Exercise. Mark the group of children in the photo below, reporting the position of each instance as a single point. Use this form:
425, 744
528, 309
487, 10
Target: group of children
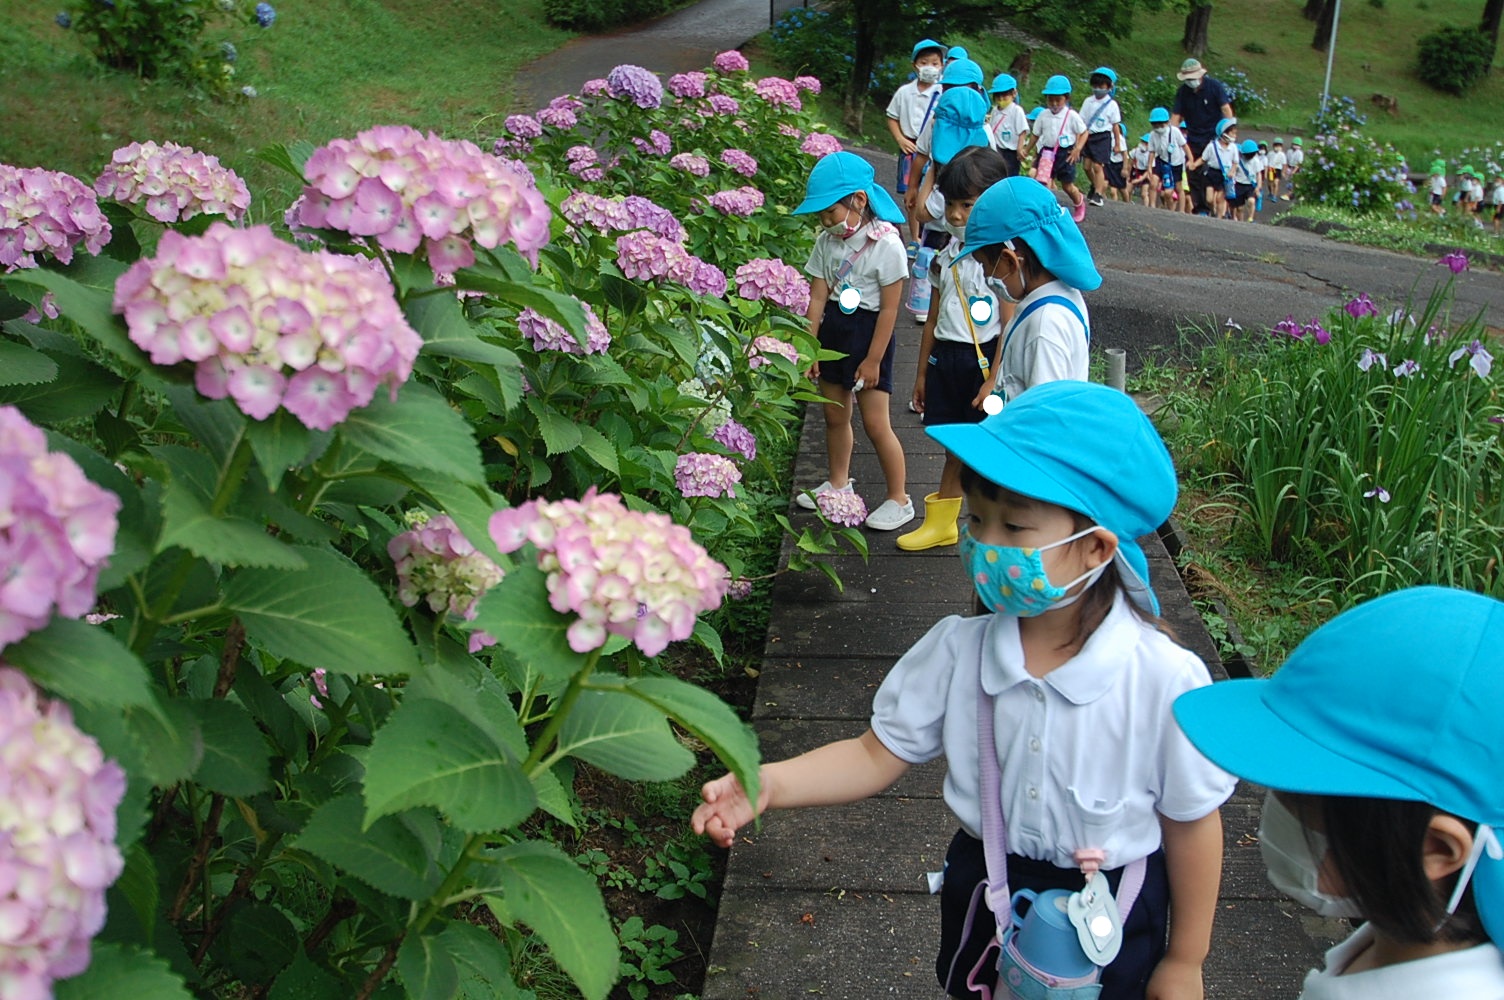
1086, 749
1237, 175
1471, 199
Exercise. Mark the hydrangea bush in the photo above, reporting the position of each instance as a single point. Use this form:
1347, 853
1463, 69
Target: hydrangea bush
173, 183
347, 543
1346, 169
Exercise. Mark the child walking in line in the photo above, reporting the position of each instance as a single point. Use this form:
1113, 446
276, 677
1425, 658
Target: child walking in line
908, 111
1378, 740
1437, 184
856, 269
1221, 160
1059, 136
1075, 683
1032, 253
1140, 176
1007, 122
1496, 200
1293, 162
1104, 130
1168, 145
1276, 179
960, 348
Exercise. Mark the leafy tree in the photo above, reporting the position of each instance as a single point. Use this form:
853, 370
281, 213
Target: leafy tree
1493, 13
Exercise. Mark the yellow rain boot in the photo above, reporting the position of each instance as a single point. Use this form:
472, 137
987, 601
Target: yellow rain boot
939, 527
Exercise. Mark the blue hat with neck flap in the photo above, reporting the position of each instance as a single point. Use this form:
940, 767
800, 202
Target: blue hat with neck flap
1023, 208
837, 175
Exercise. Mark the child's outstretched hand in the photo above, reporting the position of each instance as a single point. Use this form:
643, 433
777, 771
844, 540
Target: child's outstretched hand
725, 809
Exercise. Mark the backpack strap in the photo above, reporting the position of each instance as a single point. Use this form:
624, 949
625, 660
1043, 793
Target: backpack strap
1059, 300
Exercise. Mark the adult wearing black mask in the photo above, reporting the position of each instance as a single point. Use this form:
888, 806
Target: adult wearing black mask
1201, 102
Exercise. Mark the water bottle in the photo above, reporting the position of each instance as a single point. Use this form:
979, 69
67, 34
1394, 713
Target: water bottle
919, 282
1044, 167
1043, 953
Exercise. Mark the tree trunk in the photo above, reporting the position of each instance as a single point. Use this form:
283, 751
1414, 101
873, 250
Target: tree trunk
1197, 22
862, 58
1493, 13
1323, 35
1312, 9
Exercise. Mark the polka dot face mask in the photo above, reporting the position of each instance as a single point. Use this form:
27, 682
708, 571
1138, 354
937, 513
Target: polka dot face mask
1013, 581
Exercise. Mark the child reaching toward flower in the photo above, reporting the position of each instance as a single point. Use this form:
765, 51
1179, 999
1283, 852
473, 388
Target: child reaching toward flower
856, 269
1378, 740
1079, 682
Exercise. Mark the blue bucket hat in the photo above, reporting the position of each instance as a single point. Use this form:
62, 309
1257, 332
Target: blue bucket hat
1002, 83
961, 72
959, 115
1248, 146
956, 52
1225, 124
1158, 115
1082, 446
1108, 72
1144, 137
1023, 207
927, 45
1034, 113
838, 174
1397, 698
1057, 84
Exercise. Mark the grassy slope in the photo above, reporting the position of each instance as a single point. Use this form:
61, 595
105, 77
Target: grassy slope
326, 68
1379, 38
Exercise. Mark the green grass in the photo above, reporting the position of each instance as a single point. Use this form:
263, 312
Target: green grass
327, 68
1419, 237
1382, 39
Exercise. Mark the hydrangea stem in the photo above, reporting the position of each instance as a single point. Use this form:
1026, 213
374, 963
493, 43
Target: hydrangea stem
550, 733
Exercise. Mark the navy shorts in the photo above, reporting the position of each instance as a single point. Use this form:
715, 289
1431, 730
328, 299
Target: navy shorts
1436, 199
952, 380
852, 336
1010, 158
1245, 191
1065, 170
1145, 935
1099, 147
1113, 172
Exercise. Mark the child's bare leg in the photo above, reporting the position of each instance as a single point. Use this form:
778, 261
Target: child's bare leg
838, 433
950, 478
874, 404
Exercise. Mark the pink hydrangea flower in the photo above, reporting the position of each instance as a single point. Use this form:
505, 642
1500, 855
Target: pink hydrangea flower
687, 84
699, 166
720, 104
620, 572
523, 126
47, 213
784, 128
58, 832
566, 102
644, 255
406, 190
594, 88
657, 143
560, 118
818, 144
546, 335
847, 509
437, 565
56, 531
731, 61
593, 175
621, 214
742, 201
779, 92
268, 324
701, 474
739, 589
640, 85
705, 279
175, 182
740, 161
772, 279
809, 83
736, 437
760, 351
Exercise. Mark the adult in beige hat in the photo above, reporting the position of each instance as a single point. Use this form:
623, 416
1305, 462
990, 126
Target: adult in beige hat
1201, 102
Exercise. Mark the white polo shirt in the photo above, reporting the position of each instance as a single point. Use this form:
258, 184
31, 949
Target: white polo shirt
1049, 344
1090, 754
908, 106
882, 263
1100, 115
1007, 126
1475, 973
1059, 130
1169, 147
951, 323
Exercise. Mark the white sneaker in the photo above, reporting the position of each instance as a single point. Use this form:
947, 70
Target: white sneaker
807, 501
891, 515
921, 318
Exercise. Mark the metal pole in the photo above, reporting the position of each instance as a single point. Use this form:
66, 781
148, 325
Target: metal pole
770, 16
1331, 50
1117, 368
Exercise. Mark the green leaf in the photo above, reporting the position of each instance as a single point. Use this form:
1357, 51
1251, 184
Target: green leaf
706, 635
188, 520
120, 971
289, 157
85, 295
170, 740
429, 754
137, 885
625, 296
328, 614
562, 309
426, 967
83, 663
235, 753
446, 331
474, 692
469, 506
215, 423
79, 389
483, 962
279, 443
420, 429
624, 736
21, 365
560, 433
389, 855
707, 717
303, 980
562, 904
258, 942
602, 451
517, 612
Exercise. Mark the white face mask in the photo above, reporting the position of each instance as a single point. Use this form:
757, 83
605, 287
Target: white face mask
844, 230
1293, 854
996, 283
929, 74
1161, 129
1194, 84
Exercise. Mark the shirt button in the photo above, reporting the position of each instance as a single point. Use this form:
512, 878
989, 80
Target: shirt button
1034, 744
1038, 694
1033, 793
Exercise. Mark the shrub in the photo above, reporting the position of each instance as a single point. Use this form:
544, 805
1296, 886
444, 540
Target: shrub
1452, 59
818, 42
154, 38
1346, 169
1246, 98
1341, 112
600, 15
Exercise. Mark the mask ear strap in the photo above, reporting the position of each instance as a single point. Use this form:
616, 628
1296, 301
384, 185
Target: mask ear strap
1485, 839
